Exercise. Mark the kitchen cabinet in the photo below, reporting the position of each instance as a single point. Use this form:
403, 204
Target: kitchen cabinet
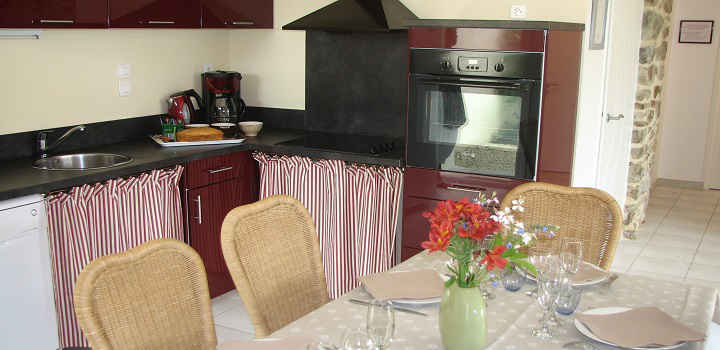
53, 14
237, 14
213, 187
424, 188
155, 14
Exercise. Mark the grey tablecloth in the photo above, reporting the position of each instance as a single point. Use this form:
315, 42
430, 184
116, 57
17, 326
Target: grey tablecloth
512, 315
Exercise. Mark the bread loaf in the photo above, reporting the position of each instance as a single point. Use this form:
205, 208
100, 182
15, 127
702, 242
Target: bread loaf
199, 134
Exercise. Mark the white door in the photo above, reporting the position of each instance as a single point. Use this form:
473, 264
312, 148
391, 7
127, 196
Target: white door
623, 43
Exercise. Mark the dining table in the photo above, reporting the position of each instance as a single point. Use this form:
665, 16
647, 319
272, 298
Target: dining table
511, 315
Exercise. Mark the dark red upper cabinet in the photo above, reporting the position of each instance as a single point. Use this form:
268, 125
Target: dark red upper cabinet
53, 14
237, 14
155, 13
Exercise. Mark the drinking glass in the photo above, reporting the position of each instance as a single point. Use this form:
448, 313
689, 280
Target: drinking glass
568, 299
571, 255
380, 323
355, 339
512, 280
548, 282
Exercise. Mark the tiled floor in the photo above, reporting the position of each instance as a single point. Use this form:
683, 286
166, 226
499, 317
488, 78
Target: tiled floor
679, 241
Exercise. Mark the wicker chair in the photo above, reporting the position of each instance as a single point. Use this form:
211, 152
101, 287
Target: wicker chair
586, 213
272, 252
154, 296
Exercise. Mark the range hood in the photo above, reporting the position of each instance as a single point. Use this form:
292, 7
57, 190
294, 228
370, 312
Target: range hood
356, 15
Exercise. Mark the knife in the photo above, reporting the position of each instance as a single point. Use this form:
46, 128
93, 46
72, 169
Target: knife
397, 308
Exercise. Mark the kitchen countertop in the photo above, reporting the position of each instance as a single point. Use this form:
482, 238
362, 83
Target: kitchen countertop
19, 178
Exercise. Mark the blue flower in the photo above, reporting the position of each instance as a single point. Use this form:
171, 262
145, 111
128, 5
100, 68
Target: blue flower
495, 284
544, 229
520, 230
509, 245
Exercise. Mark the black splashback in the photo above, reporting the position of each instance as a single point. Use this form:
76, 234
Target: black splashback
356, 83
24, 144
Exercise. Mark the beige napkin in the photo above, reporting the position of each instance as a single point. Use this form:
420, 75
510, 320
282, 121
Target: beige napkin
290, 343
588, 272
421, 284
639, 327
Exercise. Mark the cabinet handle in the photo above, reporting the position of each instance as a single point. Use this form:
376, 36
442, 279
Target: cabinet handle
160, 22
199, 206
215, 171
241, 23
466, 189
57, 21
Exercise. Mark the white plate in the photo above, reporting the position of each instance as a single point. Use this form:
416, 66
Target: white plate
613, 310
197, 125
575, 284
417, 301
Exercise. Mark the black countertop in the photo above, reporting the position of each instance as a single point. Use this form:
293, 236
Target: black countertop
19, 178
467, 23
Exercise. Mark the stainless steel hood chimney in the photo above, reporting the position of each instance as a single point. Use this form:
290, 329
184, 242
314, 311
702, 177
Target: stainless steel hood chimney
356, 15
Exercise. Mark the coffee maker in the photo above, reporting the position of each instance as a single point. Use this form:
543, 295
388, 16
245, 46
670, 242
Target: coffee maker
221, 96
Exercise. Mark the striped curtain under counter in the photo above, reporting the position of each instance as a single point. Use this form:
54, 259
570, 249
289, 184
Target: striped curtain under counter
91, 221
355, 209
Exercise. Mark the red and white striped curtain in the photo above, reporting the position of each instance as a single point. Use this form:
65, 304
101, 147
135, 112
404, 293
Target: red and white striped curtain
355, 209
91, 221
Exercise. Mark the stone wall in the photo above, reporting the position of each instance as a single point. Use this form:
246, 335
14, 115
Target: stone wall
653, 52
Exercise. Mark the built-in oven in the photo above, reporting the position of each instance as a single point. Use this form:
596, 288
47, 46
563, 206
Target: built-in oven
475, 111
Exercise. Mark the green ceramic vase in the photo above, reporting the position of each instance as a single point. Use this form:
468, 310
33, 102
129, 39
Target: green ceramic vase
463, 320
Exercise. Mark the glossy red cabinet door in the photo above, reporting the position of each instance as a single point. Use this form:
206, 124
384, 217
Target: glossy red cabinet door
17, 13
71, 14
53, 14
237, 14
155, 13
415, 226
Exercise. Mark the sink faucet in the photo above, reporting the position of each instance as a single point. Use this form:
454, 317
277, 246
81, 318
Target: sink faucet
42, 139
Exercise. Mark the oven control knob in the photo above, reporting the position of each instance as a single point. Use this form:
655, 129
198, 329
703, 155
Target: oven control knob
499, 67
446, 65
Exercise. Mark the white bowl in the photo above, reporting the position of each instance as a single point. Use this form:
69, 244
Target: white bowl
251, 128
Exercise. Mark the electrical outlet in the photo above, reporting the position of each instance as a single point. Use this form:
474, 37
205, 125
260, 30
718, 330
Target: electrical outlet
518, 11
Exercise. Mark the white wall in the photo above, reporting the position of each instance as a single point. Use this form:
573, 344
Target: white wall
69, 76
273, 61
687, 96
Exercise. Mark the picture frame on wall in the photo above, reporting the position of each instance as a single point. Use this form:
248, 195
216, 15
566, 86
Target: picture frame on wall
696, 32
598, 24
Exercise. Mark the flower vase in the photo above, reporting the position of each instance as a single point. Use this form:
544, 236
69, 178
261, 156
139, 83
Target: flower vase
463, 320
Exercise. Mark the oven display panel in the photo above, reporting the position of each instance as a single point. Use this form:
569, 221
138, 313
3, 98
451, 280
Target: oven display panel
473, 64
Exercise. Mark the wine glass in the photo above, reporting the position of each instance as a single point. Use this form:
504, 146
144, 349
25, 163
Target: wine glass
355, 339
571, 255
380, 323
548, 283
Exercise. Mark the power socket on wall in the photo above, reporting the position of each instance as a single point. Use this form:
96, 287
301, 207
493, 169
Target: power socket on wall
518, 11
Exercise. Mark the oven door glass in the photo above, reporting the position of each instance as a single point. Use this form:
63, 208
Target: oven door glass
481, 126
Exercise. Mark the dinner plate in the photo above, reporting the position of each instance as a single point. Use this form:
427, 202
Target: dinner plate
613, 310
593, 282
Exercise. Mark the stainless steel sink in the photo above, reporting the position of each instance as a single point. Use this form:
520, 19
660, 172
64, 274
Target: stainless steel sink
82, 161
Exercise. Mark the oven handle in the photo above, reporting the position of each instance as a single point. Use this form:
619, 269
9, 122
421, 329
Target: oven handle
477, 190
516, 84
507, 86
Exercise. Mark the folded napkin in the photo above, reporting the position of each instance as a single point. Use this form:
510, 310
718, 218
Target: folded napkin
421, 284
639, 327
588, 272
290, 343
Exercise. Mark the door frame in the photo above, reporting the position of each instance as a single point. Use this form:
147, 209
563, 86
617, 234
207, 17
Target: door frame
711, 162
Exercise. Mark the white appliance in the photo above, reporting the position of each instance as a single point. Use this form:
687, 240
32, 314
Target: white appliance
27, 307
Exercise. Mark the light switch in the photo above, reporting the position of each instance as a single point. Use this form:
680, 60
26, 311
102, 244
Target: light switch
123, 70
124, 87
518, 11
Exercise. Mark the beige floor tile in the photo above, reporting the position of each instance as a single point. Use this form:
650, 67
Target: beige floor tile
235, 318
681, 230
701, 282
630, 247
699, 199
694, 211
225, 302
657, 211
622, 262
705, 258
227, 334
675, 241
681, 255
709, 248
646, 264
655, 274
711, 238
704, 272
